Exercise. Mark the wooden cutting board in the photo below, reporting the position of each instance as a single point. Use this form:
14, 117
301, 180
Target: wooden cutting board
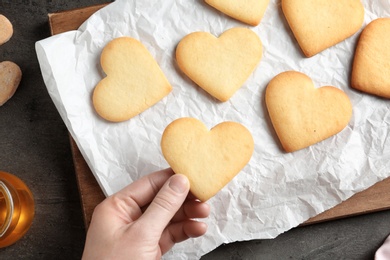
375, 198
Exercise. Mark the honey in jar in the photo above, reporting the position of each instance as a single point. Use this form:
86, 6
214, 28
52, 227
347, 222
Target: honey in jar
16, 209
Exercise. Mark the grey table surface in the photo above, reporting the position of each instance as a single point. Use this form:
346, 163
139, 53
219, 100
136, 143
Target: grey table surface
34, 145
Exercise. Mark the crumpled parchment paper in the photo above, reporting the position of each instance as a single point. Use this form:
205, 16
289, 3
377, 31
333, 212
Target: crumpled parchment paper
276, 191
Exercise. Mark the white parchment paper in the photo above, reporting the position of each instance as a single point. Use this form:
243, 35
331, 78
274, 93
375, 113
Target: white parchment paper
276, 191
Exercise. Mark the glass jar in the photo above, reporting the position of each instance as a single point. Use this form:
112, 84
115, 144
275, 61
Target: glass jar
16, 209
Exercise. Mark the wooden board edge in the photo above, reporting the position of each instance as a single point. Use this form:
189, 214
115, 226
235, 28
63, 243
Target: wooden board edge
90, 195
368, 198
61, 18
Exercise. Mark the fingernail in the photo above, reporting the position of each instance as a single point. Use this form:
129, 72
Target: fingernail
178, 183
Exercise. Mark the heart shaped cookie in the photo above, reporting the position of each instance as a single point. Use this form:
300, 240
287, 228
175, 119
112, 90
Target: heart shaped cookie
303, 115
134, 81
250, 11
10, 77
371, 66
209, 158
219, 65
318, 24
6, 29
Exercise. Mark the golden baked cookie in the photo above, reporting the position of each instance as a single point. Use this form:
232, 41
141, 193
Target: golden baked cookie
134, 81
10, 77
371, 65
303, 115
250, 11
6, 29
209, 158
320, 24
220, 65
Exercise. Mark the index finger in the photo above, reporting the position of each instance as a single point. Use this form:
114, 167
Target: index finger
143, 190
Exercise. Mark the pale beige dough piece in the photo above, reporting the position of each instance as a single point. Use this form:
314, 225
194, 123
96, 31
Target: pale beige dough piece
371, 66
209, 158
6, 29
134, 81
303, 115
10, 77
250, 11
220, 65
320, 24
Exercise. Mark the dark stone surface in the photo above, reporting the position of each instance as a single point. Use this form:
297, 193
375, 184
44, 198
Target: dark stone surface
34, 145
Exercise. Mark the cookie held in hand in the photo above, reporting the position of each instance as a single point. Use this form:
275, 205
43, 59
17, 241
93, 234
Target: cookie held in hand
10, 77
220, 65
319, 24
134, 81
6, 29
209, 158
303, 115
250, 11
371, 66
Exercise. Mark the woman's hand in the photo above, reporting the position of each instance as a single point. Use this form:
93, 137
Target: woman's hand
145, 219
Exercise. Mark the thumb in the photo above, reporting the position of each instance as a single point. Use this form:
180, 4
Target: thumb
166, 203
